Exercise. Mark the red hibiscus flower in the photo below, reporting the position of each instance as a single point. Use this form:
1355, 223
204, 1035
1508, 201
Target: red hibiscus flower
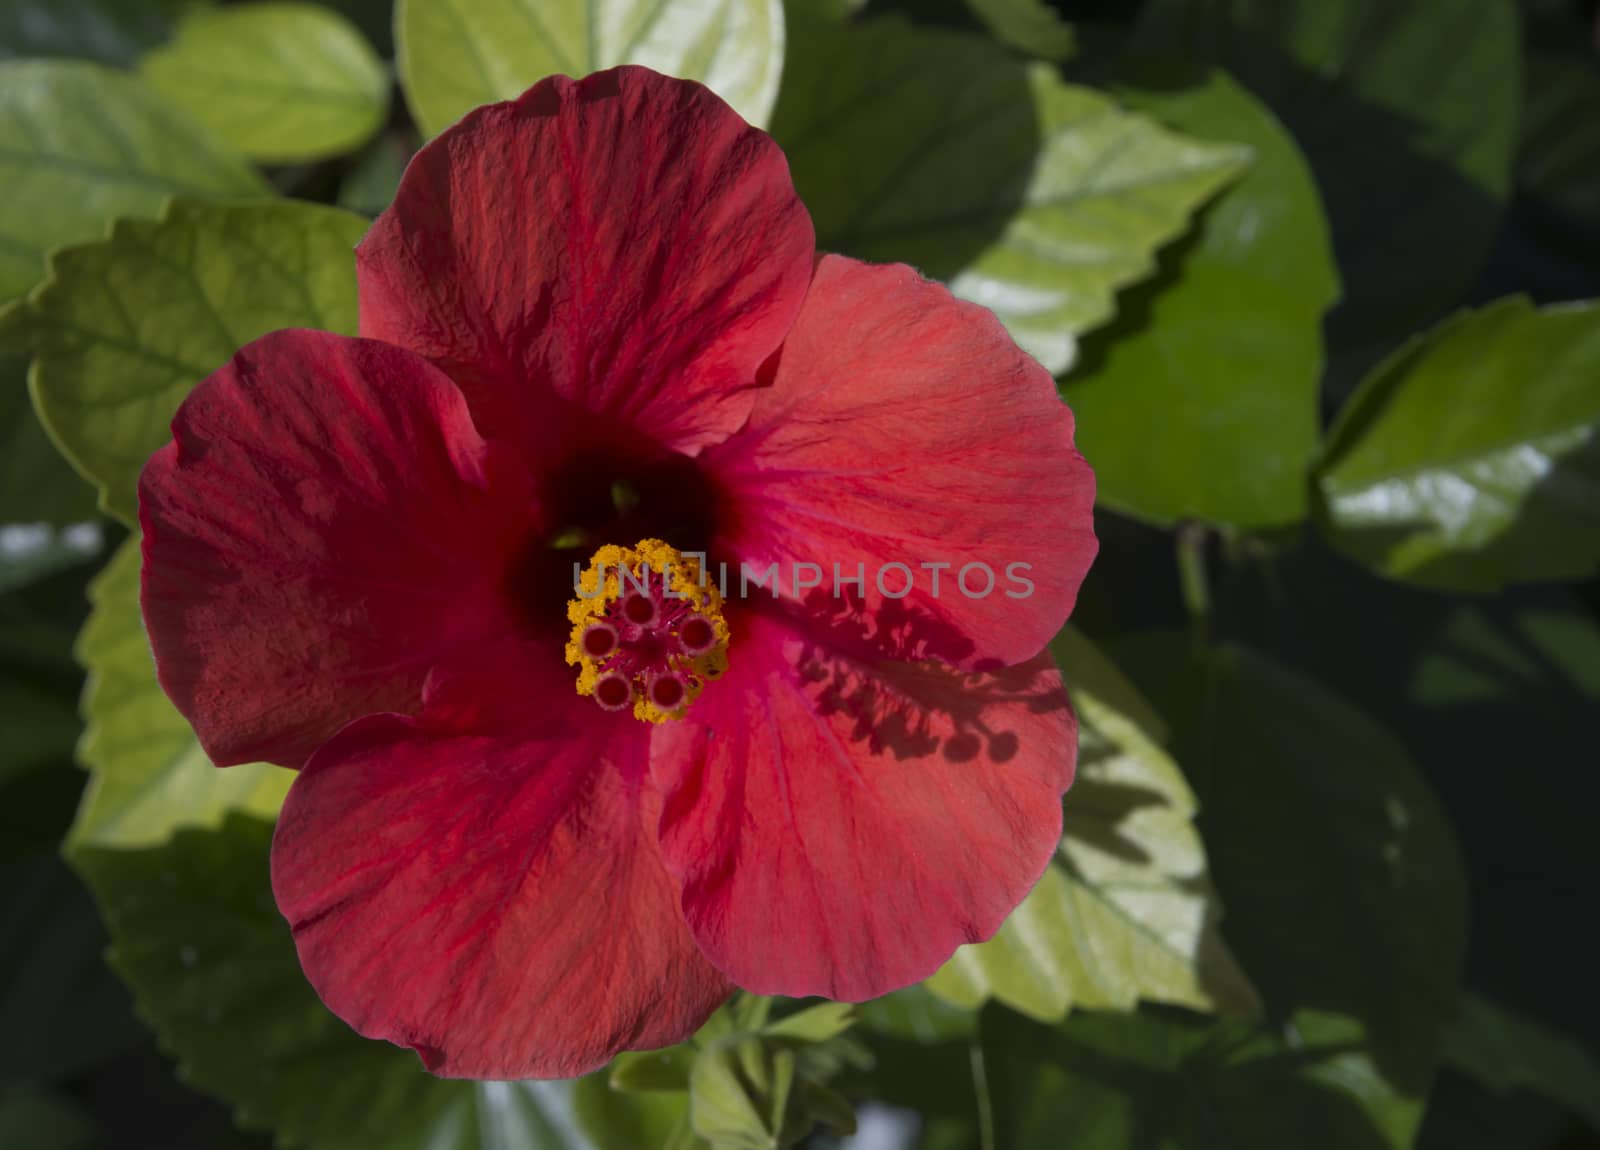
537, 822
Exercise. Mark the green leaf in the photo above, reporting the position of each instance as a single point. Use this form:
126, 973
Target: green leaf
279, 82
125, 327
1225, 346
110, 31
816, 1023
1507, 1052
213, 967
456, 56
1344, 886
1407, 111
80, 144
1471, 458
916, 1014
149, 775
653, 1121
1558, 161
1161, 1079
1034, 198
1030, 26
1127, 910
651, 1071
36, 484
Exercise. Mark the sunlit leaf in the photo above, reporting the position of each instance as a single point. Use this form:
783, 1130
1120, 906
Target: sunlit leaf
456, 56
1201, 400
279, 82
1471, 458
1032, 197
125, 327
79, 145
1127, 910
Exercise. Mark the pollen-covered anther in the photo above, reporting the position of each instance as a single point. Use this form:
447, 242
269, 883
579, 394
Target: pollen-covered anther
647, 630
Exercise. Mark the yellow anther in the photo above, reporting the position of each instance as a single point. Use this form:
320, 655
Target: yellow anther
648, 653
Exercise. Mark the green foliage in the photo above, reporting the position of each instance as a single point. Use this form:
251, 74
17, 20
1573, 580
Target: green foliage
1029, 26
110, 31
1127, 910
149, 775
1154, 209
1471, 458
1201, 400
1407, 110
125, 327
1558, 159
31, 1117
36, 484
456, 56
279, 82
1035, 198
1345, 890
211, 962
79, 145
1508, 1052
751, 1083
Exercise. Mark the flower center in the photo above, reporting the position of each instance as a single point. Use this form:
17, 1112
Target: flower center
647, 630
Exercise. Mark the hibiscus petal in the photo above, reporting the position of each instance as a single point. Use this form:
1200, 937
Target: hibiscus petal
626, 240
325, 526
497, 904
841, 823
904, 426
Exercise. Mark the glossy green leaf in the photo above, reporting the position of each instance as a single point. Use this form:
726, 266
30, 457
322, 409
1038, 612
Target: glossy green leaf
36, 484
1407, 111
1127, 910
79, 145
1035, 198
1471, 458
1345, 891
280, 82
1201, 401
1558, 159
456, 56
213, 967
1030, 26
149, 775
125, 327
110, 31
1507, 1052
